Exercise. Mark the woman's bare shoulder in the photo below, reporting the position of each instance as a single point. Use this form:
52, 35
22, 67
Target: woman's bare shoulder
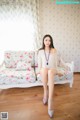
54, 50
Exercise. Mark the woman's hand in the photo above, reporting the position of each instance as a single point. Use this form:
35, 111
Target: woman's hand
60, 74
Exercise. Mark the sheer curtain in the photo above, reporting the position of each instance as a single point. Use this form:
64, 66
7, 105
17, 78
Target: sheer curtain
19, 25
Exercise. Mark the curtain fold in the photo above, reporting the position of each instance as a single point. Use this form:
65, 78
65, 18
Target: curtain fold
19, 25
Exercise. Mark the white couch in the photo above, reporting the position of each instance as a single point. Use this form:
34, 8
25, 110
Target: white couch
10, 77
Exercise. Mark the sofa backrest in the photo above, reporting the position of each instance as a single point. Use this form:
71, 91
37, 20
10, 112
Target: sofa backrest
11, 58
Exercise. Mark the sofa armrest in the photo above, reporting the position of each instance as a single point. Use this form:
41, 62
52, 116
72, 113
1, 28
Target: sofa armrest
2, 65
71, 66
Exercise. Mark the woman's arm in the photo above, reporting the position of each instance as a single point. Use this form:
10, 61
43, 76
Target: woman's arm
62, 62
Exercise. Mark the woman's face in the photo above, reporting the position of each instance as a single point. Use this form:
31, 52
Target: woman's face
47, 42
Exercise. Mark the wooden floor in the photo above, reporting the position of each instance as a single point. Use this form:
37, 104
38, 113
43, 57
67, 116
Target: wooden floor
26, 104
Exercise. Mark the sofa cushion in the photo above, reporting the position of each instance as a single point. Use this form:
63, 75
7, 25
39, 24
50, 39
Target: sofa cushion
11, 58
11, 76
68, 76
23, 65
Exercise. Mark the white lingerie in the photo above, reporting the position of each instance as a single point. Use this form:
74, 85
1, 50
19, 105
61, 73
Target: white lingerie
53, 61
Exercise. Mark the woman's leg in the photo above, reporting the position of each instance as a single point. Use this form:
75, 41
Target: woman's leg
44, 75
51, 74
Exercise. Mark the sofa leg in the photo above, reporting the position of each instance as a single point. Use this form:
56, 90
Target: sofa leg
71, 84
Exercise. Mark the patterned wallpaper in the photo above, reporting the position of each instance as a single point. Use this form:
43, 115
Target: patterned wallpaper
63, 23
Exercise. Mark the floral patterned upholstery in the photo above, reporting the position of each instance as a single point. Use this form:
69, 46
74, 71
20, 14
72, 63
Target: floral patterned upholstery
9, 75
11, 58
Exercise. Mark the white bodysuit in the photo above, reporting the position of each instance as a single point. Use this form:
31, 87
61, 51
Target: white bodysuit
53, 62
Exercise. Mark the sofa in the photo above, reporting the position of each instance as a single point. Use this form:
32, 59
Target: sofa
19, 68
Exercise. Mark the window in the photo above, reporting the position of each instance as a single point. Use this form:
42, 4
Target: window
18, 25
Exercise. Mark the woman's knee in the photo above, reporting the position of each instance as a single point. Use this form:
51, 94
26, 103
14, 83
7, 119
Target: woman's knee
44, 74
51, 71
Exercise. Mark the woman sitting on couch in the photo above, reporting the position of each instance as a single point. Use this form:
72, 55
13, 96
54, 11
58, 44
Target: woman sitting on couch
47, 67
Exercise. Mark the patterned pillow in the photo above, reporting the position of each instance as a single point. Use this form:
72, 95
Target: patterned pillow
23, 65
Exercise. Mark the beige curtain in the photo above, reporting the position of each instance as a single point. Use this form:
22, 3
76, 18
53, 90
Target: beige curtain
25, 10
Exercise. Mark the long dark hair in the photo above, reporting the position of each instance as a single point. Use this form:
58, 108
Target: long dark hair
51, 40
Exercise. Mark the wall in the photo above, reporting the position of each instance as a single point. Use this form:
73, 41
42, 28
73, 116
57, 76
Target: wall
63, 23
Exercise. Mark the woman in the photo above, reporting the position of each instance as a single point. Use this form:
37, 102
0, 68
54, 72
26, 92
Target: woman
47, 67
